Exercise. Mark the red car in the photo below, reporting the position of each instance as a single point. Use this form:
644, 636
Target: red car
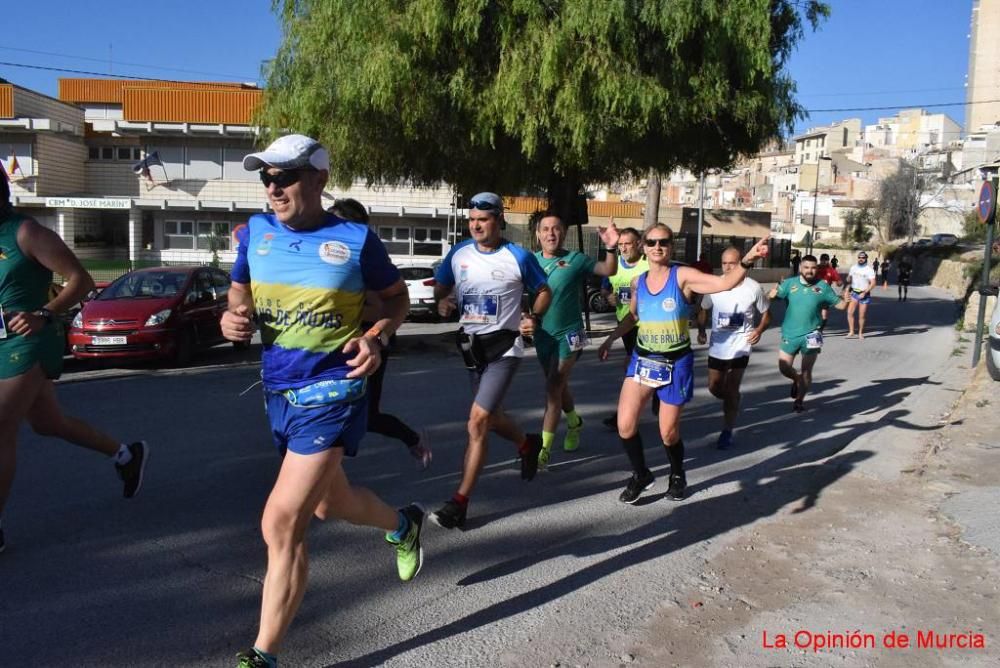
165, 312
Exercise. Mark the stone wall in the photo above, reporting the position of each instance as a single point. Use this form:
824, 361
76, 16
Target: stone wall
972, 311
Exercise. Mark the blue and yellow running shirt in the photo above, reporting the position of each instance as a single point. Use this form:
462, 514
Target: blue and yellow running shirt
308, 291
664, 317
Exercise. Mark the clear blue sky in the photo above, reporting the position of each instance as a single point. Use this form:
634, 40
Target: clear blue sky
870, 53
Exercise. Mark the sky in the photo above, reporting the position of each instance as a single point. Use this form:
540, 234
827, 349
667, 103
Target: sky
869, 53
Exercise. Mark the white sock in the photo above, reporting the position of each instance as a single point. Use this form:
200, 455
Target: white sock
123, 456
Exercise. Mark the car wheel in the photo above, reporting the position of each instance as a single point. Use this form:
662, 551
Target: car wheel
599, 303
991, 364
184, 348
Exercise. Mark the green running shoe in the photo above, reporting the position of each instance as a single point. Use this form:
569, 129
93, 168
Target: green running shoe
543, 458
409, 554
572, 441
251, 659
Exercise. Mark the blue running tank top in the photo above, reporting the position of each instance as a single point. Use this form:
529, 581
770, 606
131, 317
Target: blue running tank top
664, 317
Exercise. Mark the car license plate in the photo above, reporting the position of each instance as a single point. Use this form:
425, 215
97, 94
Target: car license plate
108, 340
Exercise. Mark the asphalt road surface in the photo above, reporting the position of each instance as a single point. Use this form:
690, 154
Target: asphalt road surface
556, 571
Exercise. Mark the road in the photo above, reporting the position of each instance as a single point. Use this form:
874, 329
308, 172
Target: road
552, 572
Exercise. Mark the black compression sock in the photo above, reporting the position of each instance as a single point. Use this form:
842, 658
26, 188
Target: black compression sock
636, 457
675, 453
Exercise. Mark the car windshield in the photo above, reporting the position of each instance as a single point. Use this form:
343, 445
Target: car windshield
416, 273
144, 285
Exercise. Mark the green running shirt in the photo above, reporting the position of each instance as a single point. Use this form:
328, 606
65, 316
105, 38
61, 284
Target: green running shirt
566, 273
621, 284
804, 303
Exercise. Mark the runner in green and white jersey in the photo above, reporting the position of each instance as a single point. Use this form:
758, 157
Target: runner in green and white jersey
559, 335
807, 295
618, 291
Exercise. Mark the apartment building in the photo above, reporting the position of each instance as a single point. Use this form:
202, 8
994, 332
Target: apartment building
983, 80
820, 142
73, 163
911, 132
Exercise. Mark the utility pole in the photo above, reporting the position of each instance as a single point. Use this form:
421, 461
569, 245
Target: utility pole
812, 235
701, 212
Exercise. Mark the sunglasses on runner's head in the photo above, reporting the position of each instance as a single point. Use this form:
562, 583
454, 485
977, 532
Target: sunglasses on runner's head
662, 243
484, 205
282, 179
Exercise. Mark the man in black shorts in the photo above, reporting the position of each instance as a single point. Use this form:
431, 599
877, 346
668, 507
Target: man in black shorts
734, 314
903, 271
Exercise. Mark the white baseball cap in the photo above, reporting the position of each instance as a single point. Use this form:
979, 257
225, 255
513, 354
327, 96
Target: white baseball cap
289, 152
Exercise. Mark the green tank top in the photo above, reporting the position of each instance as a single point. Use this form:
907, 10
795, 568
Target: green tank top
24, 283
621, 284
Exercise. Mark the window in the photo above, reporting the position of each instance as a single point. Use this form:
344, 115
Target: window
428, 241
94, 153
107, 153
396, 239
214, 236
178, 234
232, 165
172, 158
121, 153
22, 153
203, 163
220, 280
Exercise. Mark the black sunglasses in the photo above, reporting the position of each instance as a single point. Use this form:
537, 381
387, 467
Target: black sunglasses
483, 205
282, 179
662, 243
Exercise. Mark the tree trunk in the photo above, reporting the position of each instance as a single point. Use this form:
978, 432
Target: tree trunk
567, 199
652, 211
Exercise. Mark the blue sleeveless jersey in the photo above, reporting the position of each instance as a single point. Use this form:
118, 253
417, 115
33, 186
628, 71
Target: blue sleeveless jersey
664, 317
308, 290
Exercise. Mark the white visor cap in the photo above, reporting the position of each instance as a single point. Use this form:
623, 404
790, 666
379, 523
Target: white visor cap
289, 152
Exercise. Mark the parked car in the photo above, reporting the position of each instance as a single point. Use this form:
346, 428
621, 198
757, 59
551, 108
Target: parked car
419, 281
67, 316
159, 313
944, 240
993, 345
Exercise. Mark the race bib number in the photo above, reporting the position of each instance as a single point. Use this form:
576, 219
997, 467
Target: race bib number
3, 325
577, 340
653, 373
624, 294
814, 340
729, 320
480, 310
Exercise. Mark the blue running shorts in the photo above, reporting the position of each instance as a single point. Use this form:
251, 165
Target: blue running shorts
307, 431
681, 389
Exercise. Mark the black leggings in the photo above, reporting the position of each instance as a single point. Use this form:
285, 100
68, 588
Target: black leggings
383, 423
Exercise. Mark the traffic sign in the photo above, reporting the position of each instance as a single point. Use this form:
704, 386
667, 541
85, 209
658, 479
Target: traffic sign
987, 205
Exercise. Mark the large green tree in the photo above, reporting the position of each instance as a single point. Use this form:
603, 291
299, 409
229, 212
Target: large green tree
534, 95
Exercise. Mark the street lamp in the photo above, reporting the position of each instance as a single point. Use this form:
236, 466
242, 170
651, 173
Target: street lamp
812, 235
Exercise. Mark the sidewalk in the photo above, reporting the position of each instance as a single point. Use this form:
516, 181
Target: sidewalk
833, 577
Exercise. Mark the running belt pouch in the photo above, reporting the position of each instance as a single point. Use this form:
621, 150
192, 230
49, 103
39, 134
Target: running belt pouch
478, 350
491, 347
327, 392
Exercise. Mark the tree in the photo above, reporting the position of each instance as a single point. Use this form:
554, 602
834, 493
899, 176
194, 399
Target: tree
859, 224
899, 202
534, 95
972, 229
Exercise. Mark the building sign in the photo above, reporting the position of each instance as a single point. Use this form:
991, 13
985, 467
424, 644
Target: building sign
88, 202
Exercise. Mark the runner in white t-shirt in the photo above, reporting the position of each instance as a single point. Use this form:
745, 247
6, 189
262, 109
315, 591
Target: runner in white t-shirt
861, 280
734, 314
488, 275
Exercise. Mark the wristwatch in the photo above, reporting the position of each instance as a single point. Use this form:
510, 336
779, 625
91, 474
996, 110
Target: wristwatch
613, 249
746, 265
45, 313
